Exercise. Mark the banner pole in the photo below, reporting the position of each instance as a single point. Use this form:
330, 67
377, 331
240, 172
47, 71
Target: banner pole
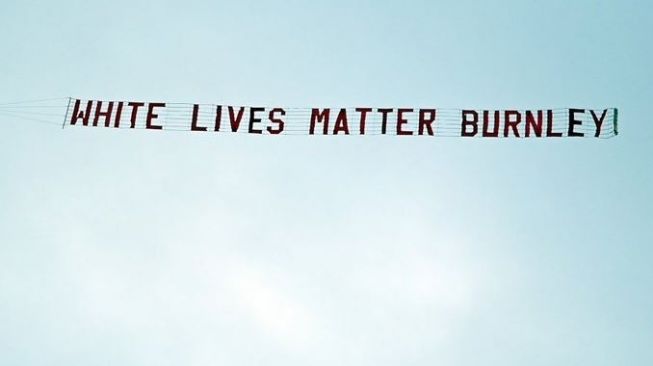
65, 118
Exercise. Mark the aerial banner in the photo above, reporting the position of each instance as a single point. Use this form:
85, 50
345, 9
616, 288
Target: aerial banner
343, 121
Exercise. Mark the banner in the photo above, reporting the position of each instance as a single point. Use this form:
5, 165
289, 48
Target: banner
335, 121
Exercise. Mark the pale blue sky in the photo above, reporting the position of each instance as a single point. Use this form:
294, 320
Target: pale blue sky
144, 248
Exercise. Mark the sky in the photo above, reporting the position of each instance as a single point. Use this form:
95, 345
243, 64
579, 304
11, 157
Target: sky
134, 247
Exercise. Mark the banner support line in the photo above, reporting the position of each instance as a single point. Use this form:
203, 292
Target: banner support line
65, 118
